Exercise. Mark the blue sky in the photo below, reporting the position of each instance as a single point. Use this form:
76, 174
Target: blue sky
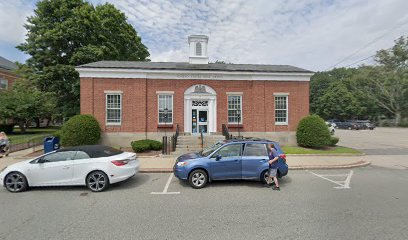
312, 34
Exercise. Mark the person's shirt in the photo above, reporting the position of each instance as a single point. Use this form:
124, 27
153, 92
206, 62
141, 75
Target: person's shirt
273, 154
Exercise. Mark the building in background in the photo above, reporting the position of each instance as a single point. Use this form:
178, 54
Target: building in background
7, 75
137, 100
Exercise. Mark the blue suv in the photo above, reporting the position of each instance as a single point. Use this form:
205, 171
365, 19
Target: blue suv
230, 159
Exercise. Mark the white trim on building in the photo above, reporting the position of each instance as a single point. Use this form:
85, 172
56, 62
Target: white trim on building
188, 74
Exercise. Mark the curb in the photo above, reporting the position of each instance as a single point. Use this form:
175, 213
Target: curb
329, 155
156, 170
322, 167
296, 167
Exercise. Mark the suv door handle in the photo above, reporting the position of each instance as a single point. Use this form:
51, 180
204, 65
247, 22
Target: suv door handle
65, 167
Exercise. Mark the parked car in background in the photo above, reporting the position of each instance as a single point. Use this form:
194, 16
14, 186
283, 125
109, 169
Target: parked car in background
95, 166
351, 125
366, 124
331, 127
230, 159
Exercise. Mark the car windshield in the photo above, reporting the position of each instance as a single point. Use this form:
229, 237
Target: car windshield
211, 149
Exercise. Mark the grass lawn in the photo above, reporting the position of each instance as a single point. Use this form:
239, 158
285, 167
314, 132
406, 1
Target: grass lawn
327, 150
31, 133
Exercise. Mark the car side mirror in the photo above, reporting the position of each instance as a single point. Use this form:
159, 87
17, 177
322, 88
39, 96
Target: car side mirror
41, 160
218, 158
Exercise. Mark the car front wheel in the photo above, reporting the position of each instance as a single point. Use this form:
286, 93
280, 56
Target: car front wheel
198, 178
15, 182
97, 181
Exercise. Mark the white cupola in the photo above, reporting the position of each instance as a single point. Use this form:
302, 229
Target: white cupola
198, 49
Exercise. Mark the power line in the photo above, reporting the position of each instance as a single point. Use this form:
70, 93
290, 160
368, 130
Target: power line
368, 44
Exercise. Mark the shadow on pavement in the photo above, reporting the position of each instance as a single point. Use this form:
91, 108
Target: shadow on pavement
239, 183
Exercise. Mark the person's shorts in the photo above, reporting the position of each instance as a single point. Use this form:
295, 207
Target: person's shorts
272, 172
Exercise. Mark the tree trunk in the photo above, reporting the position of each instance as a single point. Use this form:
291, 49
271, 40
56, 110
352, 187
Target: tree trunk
48, 122
37, 122
22, 126
397, 118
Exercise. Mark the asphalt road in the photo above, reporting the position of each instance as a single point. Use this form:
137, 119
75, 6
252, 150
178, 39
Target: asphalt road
367, 203
308, 207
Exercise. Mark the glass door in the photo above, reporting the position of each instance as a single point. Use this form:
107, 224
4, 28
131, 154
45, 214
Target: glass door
202, 121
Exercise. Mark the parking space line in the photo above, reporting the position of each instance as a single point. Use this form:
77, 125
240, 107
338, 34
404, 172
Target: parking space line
342, 184
166, 187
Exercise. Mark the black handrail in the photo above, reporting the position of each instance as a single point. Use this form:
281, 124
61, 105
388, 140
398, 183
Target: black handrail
202, 139
175, 137
225, 132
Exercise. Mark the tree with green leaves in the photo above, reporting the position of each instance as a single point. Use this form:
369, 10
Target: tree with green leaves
24, 103
387, 84
321, 82
339, 103
63, 34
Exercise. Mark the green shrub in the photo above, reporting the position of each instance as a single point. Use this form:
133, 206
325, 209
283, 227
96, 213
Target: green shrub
57, 134
7, 128
334, 141
146, 145
312, 132
80, 130
155, 145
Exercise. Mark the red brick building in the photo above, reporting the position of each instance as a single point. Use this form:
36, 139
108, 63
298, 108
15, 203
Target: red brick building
132, 99
7, 75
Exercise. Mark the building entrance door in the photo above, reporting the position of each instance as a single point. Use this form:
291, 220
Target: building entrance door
199, 121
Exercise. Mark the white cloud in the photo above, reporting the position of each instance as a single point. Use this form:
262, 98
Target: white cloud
13, 14
313, 34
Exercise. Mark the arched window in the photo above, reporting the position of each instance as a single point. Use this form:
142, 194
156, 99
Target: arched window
198, 49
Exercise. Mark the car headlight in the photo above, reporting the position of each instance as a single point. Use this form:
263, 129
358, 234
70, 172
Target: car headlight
181, 164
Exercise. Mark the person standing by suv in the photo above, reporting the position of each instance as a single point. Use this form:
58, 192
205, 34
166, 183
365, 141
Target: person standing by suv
273, 166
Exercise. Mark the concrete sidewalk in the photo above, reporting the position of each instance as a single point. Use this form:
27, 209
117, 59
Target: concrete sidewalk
165, 163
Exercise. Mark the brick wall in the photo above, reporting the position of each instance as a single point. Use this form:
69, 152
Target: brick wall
258, 102
11, 77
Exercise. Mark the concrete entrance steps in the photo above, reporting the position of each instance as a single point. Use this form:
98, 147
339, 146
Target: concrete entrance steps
192, 143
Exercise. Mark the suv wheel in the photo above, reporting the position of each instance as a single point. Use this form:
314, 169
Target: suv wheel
198, 179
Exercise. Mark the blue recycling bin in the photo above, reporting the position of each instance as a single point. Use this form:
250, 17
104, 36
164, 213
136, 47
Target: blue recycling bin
51, 144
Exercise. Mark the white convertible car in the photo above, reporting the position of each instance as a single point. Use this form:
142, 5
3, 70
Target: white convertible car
94, 166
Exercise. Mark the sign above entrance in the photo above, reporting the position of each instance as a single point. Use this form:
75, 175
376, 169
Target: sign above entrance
196, 103
199, 76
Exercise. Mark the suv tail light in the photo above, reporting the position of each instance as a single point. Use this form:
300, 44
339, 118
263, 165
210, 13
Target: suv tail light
120, 162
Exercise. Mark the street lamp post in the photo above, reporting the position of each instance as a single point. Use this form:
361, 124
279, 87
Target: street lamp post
239, 120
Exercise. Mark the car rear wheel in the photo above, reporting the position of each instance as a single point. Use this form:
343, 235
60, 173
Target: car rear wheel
97, 181
264, 176
198, 178
15, 182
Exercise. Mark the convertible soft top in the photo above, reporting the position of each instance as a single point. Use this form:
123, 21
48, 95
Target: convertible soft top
94, 151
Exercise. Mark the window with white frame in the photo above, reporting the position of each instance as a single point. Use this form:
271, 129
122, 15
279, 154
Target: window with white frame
165, 108
234, 109
113, 108
281, 110
3, 83
198, 49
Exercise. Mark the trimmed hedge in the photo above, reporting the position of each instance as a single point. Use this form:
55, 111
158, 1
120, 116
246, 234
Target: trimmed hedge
334, 141
7, 128
146, 145
80, 130
312, 132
